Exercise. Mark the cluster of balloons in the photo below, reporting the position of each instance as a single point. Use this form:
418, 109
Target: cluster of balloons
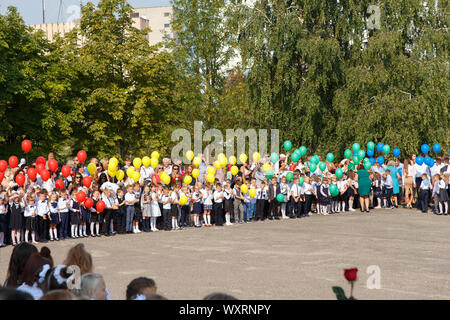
81, 197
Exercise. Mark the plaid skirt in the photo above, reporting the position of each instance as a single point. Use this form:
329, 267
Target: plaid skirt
207, 207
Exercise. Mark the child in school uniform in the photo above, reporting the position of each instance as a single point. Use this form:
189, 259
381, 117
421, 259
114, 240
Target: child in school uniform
95, 216
377, 193
130, 200
16, 218
197, 196
252, 208
85, 215
63, 208
228, 203
42, 216
351, 190
295, 195
121, 212
218, 205
54, 216
30, 219
207, 204
308, 192
342, 187
155, 210
146, 204
167, 212
389, 185
137, 207
3, 228
424, 189
324, 197
284, 190
184, 191
316, 183
274, 190
174, 202
443, 195
75, 210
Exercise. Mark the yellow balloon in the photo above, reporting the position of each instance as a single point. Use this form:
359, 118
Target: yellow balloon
267, 167
244, 188
114, 162
197, 161
183, 200
166, 180
195, 173
92, 168
146, 161
137, 162
232, 160
112, 173
217, 165
120, 175
256, 156
130, 172
223, 162
154, 162
187, 179
234, 170
112, 167
252, 192
190, 155
210, 178
136, 176
211, 170
155, 154
220, 157
243, 158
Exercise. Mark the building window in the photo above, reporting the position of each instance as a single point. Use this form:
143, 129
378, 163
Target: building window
166, 25
134, 15
166, 14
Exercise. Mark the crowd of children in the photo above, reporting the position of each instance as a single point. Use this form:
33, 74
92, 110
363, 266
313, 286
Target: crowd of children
39, 211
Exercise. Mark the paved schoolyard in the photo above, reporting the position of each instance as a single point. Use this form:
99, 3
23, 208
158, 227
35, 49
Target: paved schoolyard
286, 259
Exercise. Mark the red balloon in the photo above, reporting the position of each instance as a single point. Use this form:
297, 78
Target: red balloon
32, 172
20, 179
87, 182
65, 170
41, 159
40, 167
26, 146
53, 165
2, 175
81, 155
59, 184
45, 174
81, 196
88, 203
13, 161
100, 206
3, 165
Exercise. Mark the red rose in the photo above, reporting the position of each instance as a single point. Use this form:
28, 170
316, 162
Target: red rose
350, 274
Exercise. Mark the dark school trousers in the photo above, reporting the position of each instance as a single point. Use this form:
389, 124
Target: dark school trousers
64, 225
418, 181
107, 221
121, 219
42, 228
167, 215
218, 214
260, 209
274, 209
308, 201
423, 196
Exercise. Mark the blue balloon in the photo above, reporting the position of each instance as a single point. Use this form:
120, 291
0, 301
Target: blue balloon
425, 148
370, 153
448, 151
419, 160
431, 163
396, 152
355, 154
372, 160
436, 147
380, 147
380, 160
427, 160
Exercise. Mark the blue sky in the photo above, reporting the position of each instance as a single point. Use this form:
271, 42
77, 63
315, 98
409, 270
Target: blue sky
31, 10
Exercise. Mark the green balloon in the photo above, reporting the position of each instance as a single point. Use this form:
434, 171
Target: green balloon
274, 157
351, 166
315, 159
386, 149
322, 166
280, 197
348, 153
269, 174
361, 154
301, 180
356, 147
330, 157
334, 190
355, 160
371, 145
287, 145
289, 176
339, 173
295, 156
367, 165
312, 167
302, 150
